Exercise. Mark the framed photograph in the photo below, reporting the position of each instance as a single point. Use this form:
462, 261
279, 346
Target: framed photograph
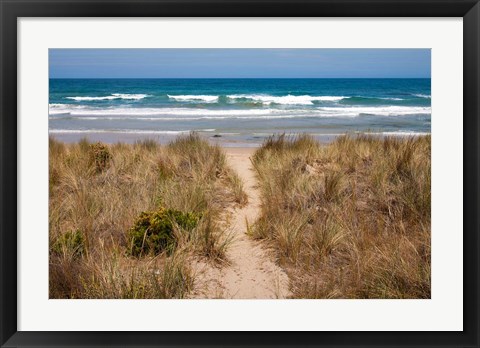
239, 173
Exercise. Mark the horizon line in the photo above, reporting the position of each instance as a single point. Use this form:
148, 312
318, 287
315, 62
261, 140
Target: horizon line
232, 78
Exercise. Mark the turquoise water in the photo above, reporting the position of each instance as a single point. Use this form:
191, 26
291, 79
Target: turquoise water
244, 110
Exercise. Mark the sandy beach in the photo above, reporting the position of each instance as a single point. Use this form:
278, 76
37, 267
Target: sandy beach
130, 138
251, 272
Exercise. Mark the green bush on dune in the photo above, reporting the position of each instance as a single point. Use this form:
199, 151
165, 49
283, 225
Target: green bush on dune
154, 232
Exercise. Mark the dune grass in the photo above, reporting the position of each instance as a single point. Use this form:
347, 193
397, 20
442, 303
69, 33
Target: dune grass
350, 219
99, 192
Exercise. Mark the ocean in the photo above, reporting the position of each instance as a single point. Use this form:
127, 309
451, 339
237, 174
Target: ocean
237, 111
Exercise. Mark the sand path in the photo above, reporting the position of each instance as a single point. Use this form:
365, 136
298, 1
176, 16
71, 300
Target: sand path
251, 272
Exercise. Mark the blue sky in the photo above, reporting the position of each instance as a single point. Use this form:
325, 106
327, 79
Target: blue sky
239, 63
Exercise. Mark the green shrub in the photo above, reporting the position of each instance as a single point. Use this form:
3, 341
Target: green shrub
71, 242
99, 156
153, 232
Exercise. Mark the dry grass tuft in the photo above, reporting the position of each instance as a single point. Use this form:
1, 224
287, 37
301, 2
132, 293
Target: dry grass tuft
99, 191
350, 219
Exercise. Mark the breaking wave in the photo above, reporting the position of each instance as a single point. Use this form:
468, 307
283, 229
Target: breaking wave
113, 96
176, 113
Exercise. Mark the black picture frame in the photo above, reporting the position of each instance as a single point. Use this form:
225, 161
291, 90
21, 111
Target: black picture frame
12, 9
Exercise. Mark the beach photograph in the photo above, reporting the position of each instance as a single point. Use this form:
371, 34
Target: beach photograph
239, 173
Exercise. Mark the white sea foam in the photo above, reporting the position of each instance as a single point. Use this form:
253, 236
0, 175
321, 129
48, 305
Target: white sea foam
270, 99
422, 96
158, 112
194, 113
59, 109
113, 96
265, 99
58, 106
376, 110
286, 100
203, 98
398, 133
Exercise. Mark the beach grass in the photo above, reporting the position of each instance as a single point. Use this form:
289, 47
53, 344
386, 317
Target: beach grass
350, 219
127, 220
